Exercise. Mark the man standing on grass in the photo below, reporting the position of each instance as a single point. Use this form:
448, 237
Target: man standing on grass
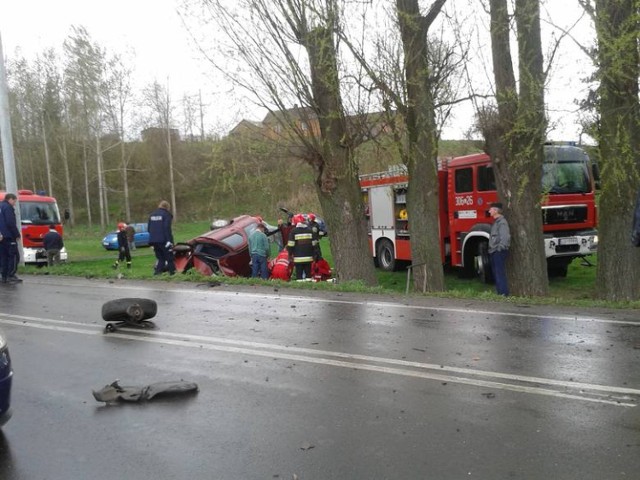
161, 238
259, 251
9, 238
499, 243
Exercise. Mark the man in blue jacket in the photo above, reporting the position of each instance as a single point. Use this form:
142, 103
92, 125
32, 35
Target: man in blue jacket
161, 238
9, 237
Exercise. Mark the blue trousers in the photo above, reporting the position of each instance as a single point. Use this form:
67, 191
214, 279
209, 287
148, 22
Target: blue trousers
9, 258
259, 266
498, 265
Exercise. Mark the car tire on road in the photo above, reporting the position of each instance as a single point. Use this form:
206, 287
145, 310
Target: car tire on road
123, 309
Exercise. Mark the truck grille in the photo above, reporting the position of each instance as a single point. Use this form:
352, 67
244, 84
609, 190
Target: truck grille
564, 214
567, 248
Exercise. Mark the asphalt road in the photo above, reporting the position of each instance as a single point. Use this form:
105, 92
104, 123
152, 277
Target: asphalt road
317, 386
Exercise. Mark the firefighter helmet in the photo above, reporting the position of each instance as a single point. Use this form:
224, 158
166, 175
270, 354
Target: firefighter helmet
403, 214
122, 226
311, 217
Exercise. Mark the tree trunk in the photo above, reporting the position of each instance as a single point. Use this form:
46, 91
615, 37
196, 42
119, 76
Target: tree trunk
515, 141
85, 161
336, 171
174, 207
422, 153
67, 178
618, 271
125, 178
101, 194
47, 158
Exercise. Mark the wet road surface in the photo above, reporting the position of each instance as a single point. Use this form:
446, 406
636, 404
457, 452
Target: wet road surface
317, 386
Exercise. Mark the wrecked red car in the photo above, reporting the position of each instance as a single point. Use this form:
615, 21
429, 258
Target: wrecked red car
223, 251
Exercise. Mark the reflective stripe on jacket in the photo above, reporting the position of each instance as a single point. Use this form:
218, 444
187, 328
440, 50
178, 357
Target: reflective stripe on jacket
302, 244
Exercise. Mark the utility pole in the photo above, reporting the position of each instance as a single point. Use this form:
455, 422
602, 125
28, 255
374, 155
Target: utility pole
7, 143
5, 129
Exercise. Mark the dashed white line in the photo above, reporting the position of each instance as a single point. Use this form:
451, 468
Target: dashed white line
586, 392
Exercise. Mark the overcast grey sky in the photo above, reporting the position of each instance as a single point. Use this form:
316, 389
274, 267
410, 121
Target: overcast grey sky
164, 52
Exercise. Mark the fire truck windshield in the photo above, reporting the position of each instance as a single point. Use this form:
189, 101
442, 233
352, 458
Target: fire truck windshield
565, 177
39, 213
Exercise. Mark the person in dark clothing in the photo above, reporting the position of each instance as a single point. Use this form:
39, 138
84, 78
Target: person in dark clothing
131, 237
123, 246
10, 235
161, 238
302, 247
285, 229
315, 229
52, 243
499, 243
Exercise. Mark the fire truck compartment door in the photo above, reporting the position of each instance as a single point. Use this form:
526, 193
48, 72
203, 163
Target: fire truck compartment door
382, 212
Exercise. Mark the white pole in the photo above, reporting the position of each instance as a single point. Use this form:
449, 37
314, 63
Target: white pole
7, 142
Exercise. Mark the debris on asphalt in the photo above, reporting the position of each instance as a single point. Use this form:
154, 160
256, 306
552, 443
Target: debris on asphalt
489, 395
115, 392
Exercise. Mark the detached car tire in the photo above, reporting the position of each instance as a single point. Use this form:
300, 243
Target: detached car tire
122, 309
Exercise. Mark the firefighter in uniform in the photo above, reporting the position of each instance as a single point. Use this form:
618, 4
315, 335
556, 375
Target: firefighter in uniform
302, 247
123, 246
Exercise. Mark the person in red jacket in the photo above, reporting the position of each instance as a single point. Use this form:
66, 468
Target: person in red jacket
281, 267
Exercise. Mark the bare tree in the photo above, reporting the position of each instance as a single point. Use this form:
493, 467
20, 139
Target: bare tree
415, 77
290, 57
158, 98
618, 132
117, 96
515, 133
83, 75
422, 148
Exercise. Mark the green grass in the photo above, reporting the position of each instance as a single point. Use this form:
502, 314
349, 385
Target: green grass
87, 258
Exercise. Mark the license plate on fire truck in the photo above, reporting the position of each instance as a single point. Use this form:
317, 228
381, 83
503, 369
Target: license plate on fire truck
568, 241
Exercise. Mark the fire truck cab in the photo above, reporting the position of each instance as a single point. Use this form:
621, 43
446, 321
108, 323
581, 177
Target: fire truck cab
466, 188
37, 214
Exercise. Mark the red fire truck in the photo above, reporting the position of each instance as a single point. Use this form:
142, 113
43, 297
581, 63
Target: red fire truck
467, 187
37, 213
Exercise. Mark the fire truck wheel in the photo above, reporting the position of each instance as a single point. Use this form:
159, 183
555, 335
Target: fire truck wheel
129, 309
483, 264
386, 256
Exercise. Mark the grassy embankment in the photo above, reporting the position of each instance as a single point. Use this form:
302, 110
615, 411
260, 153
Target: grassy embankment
87, 258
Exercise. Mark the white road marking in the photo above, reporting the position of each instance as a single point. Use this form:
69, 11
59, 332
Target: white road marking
339, 360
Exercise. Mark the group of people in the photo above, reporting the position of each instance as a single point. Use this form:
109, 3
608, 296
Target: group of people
160, 239
52, 241
301, 250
